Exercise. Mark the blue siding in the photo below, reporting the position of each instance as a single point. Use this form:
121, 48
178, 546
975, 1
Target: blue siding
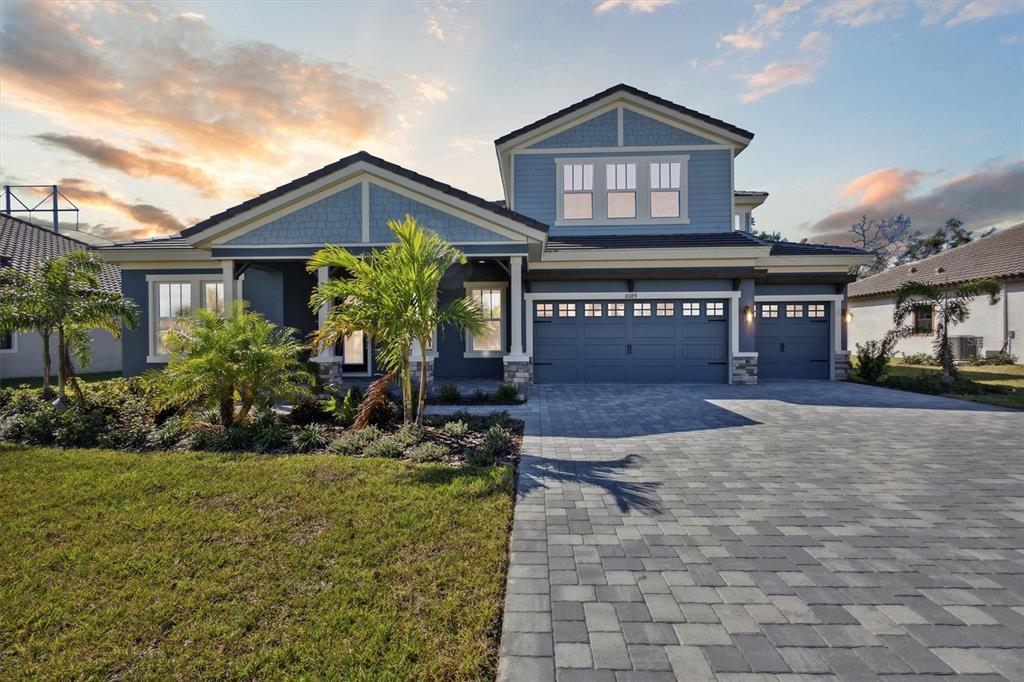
710, 194
336, 219
640, 131
600, 131
386, 205
264, 289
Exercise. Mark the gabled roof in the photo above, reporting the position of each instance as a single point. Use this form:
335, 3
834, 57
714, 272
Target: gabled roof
999, 256
368, 158
23, 245
636, 92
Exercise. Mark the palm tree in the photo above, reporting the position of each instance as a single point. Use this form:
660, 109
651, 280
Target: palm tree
239, 358
950, 306
63, 295
391, 294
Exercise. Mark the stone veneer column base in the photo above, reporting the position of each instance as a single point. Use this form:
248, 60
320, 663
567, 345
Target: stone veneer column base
744, 369
518, 372
330, 373
842, 365
414, 371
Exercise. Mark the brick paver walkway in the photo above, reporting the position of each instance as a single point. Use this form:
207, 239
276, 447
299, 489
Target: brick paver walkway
765, 532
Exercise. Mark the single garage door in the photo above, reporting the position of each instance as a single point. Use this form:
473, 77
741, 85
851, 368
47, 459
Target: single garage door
631, 341
793, 340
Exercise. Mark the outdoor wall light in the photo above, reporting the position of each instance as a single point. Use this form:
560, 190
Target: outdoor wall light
748, 314
847, 315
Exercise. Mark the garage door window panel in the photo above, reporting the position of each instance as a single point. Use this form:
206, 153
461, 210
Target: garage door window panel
592, 309
616, 310
769, 310
567, 310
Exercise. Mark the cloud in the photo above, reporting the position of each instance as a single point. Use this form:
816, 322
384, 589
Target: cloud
936, 10
634, 6
154, 75
767, 24
988, 196
980, 10
1012, 39
857, 13
780, 75
152, 220
444, 23
468, 144
157, 162
432, 91
693, 62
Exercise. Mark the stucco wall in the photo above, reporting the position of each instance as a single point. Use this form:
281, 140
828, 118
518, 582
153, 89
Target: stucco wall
27, 360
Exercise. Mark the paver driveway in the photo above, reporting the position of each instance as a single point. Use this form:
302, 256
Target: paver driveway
799, 528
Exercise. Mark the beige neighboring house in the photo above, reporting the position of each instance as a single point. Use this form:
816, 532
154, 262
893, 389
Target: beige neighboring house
990, 328
22, 246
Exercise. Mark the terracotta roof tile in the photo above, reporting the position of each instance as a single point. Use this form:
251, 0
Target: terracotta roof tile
23, 245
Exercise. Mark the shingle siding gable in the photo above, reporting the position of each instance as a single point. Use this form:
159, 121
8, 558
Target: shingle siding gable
643, 131
335, 219
599, 131
386, 205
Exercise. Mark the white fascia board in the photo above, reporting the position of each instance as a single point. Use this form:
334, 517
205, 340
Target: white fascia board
748, 201
653, 263
687, 254
848, 260
781, 298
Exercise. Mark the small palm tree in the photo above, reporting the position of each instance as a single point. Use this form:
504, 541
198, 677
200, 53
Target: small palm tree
239, 358
951, 305
63, 295
391, 294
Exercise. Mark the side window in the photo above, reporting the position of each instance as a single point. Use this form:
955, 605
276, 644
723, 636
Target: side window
174, 301
769, 310
578, 191
491, 338
641, 310
545, 310
924, 322
616, 310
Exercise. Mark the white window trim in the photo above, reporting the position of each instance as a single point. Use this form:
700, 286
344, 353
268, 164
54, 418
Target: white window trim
14, 344
195, 283
643, 190
468, 351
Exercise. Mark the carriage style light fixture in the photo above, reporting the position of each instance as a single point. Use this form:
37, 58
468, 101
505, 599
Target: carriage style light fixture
847, 315
748, 314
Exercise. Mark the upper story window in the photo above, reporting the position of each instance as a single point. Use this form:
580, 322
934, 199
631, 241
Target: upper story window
621, 184
622, 190
578, 191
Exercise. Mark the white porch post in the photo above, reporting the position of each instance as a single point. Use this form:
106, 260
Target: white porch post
229, 282
321, 315
516, 305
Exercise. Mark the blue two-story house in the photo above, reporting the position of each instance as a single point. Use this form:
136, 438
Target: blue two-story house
621, 253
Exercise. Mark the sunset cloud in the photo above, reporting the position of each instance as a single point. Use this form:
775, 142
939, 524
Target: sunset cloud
988, 196
857, 13
156, 162
634, 6
152, 220
767, 24
780, 75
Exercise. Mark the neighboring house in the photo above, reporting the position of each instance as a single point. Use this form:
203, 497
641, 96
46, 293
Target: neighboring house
613, 257
989, 329
22, 246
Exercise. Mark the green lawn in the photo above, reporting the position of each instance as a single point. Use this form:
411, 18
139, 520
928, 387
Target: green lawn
1001, 375
171, 565
37, 382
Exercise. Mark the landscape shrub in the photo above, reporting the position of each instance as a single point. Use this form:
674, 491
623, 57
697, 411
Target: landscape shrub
507, 393
873, 358
480, 396
352, 443
169, 435
387, 446
344, 409
450, 394
81, 426
267, 432
999, 358
309, 411
496, 440
428, 452
921, 359
409, 435
934, 383
455, 429
498, 418
311, 438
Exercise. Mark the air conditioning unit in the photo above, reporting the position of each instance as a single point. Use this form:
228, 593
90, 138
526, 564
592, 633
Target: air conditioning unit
964, 347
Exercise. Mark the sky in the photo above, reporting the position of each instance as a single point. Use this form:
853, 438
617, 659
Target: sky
153, 116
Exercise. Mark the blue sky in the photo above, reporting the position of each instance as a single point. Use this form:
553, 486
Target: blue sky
155, 115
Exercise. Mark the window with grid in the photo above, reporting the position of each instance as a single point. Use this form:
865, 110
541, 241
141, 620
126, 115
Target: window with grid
816, 310
578, 191
616, 310
665, 189
691, 309
620, 181
794, 310
592, 310
174, 301
545, 310
567, 310
924, 322
213, 296
641, 309
664, 309
490, 338
769, 310
716, 308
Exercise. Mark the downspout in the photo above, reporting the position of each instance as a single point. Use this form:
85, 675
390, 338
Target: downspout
1006, 319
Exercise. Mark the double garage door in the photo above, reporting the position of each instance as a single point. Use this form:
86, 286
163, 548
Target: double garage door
793, 340
631, 341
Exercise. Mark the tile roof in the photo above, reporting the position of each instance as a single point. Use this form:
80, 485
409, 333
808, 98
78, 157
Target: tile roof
622, 87
23, 245
169, 242
998, 256
374, 161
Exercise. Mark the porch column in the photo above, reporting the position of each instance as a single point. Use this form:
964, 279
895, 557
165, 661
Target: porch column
516, 305
229, 282
321, 315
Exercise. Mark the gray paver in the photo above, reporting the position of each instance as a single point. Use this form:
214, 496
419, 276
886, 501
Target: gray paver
781, 531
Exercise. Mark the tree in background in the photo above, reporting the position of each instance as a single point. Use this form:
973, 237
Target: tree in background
887, 239
950, 236
950, 304
239, 359
63, 296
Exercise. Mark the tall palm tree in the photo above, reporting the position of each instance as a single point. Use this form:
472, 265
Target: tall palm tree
63, 295
391, 294
950, 304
